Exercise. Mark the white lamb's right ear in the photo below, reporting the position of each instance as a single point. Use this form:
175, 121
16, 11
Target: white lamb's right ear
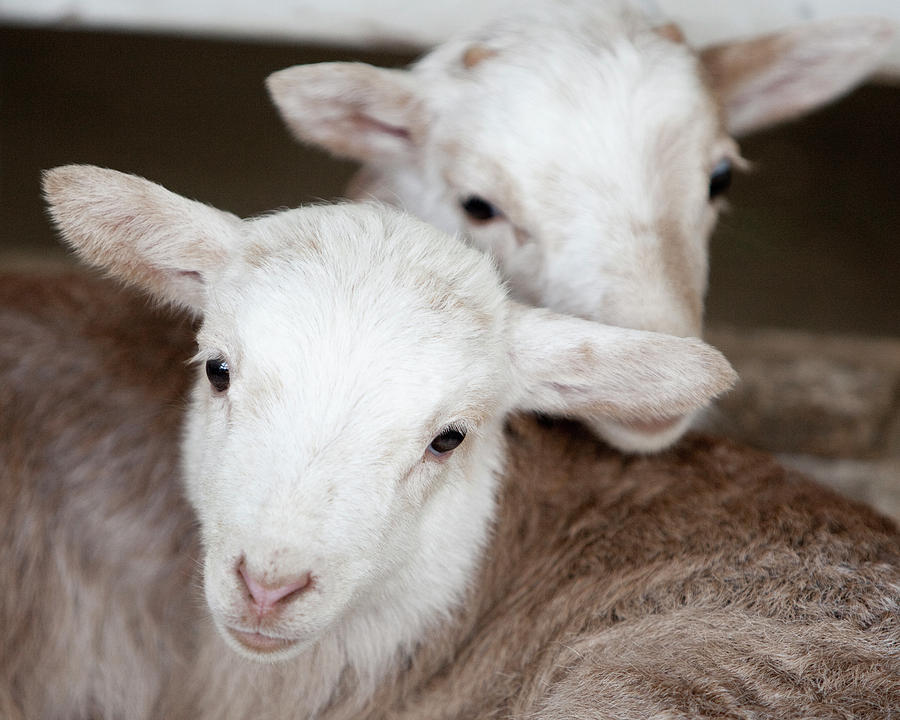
578, 368
355, 110
140, 232
769, 79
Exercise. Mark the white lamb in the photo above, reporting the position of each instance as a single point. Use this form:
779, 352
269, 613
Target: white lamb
379, 537
587, 150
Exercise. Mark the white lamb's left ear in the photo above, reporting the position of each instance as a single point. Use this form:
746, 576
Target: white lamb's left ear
355, 110
777, 77
578, 368
140, 232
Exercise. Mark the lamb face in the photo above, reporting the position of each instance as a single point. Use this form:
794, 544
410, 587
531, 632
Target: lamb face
352, 368
344, 435
580, 168
584, 149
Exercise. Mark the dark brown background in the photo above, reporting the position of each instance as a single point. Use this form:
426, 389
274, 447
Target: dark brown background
813, 240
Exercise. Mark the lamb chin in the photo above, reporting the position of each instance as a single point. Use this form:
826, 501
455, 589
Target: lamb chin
261, 648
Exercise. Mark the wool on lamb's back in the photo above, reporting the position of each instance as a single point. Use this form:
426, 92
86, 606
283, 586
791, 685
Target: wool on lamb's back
97, 547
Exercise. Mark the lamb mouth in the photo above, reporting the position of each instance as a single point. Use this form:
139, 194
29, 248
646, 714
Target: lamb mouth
259, 643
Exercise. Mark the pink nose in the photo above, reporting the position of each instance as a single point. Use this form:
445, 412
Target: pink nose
266, 596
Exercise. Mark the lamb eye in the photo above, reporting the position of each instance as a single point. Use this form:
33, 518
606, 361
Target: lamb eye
217, 372
479, 209
720, 178
446, 442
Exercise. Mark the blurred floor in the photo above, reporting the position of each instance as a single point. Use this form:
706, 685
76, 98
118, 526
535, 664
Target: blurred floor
813, 240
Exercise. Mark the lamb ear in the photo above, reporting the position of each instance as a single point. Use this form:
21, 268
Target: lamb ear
578, 368
140, 232
765, 80
355, 110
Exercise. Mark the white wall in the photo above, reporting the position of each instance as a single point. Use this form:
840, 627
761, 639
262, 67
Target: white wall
416, 23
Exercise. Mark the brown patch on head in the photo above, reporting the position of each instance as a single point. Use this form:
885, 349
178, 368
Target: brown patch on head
670, 252
586, 358
728, 67
442, 297
256, 254
671, 31
261, 254
679, 269
679, 253
476, 54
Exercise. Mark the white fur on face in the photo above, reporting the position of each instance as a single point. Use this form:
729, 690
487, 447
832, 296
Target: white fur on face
597, 145
346, 359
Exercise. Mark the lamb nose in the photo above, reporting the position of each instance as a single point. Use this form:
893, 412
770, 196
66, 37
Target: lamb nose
265, 596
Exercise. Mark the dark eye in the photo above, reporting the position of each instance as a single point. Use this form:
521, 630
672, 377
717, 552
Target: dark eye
479, 209
446, 442
217, 372
720, 178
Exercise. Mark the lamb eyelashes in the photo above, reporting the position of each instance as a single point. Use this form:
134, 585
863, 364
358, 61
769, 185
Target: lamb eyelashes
446, 442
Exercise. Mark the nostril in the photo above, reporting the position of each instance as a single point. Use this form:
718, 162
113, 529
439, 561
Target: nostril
266, 595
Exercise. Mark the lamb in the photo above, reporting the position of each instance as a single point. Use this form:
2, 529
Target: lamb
378, 533
586, 149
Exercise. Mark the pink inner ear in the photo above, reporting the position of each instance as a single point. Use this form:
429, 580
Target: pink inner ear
366, 123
